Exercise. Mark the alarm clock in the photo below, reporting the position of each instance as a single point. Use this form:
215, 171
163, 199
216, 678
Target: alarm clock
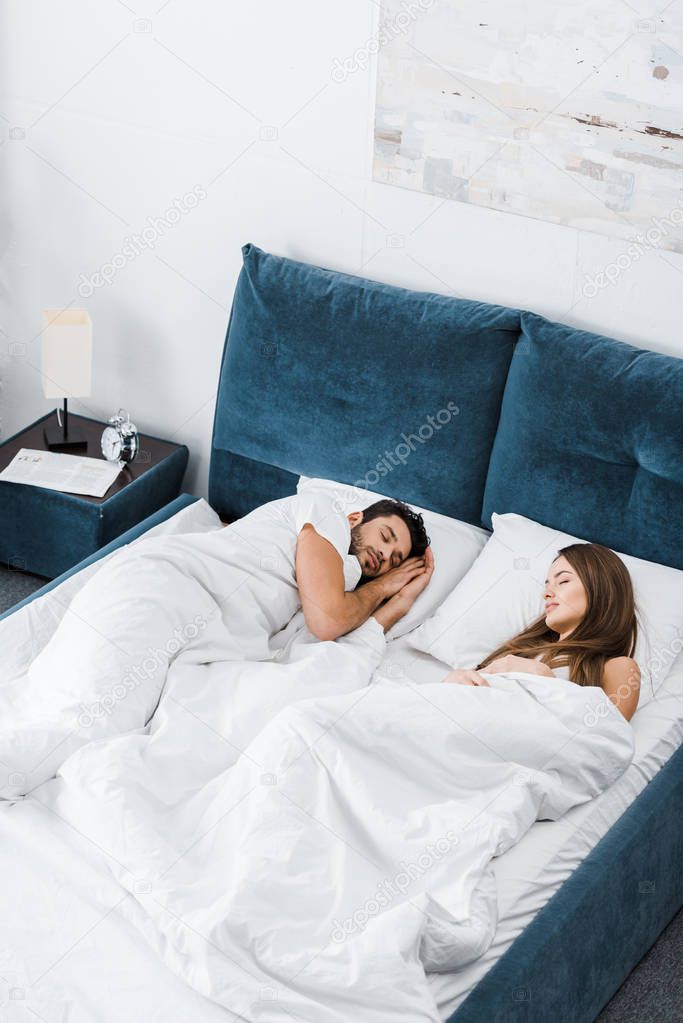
120, 441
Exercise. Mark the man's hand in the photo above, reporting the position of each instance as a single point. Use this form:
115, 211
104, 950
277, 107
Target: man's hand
510, 662
467, 677
397, 578
400, 604
412, 589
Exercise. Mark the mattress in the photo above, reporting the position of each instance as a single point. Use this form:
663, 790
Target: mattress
77, 949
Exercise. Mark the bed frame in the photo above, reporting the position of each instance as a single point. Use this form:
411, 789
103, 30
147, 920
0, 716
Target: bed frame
325, 374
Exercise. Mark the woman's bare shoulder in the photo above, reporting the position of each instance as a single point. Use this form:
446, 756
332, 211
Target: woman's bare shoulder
620, 666
621, 682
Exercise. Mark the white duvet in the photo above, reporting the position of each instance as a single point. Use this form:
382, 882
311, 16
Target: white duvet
302, 838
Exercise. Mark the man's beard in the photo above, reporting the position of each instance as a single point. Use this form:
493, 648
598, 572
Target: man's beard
355, 547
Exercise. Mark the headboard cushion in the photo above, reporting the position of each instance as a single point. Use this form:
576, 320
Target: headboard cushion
331, 375
590, 441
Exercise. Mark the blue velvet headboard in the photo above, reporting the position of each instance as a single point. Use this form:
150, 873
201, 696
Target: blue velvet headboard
590, 441
325, 374
458, 406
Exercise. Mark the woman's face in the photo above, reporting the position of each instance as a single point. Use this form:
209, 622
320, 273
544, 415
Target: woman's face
565, 598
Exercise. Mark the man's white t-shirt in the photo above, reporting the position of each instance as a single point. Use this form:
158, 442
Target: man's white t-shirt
263, 545
332, 524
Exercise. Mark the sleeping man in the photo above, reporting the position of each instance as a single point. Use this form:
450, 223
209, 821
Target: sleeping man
241, 585
304, 552
388, 552
207, 598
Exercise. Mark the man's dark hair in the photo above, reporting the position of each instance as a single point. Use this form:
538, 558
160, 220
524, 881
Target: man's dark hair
412, 519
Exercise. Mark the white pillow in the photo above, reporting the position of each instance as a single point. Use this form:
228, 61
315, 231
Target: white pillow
503, 592
455, 546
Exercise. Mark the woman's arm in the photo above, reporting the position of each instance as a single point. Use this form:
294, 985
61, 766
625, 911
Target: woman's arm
621, 682
466, 677
474, 677
512, 663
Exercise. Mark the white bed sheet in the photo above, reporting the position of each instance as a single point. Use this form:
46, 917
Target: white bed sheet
74, 954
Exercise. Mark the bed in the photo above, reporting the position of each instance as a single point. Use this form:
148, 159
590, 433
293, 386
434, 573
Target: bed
322, 386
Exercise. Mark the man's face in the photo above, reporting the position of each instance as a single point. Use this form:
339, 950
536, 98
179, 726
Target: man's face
380, 544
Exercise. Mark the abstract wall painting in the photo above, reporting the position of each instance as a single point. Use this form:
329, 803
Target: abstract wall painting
567, 112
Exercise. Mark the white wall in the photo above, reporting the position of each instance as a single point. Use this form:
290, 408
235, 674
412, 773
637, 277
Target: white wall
238, 100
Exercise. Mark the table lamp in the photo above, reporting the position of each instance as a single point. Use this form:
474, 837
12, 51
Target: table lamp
66, 372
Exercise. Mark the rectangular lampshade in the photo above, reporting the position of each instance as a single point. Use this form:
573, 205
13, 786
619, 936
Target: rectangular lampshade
67, 353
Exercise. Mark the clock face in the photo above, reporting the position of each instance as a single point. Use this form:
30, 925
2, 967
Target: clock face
111, 444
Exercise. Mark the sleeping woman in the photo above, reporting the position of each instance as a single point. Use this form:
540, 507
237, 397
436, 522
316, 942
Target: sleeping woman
587, 633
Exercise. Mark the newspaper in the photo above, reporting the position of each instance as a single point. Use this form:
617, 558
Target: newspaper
71, 474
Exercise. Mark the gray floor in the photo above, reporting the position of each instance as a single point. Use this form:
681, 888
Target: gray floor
15, 585
653, 991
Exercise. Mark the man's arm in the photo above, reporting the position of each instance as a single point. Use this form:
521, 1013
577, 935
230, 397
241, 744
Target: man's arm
329, 611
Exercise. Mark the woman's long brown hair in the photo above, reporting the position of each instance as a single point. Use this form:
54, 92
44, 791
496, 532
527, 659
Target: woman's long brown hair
608, 628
